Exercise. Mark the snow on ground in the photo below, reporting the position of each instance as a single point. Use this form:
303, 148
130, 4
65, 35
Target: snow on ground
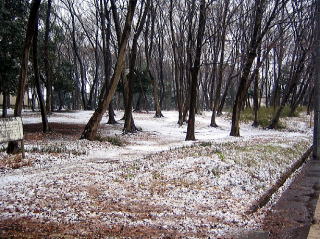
155, 180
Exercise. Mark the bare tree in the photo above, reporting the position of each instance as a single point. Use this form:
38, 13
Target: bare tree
194, 71
129, 126
45, 124
258, 32
46, 59
91, 128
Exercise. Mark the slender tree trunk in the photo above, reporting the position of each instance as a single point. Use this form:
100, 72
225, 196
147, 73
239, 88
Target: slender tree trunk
106, 35
78, 58
91, 128
256, 100
129, 126
194, 71
35, 4
5, 104
255, 76
148, 52
45, 124
221, 66
177, 70
46, 60
290, 87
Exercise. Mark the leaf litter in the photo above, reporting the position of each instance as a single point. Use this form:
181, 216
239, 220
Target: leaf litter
156, 185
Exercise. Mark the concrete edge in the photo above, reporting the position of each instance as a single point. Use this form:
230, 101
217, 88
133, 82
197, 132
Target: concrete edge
314, 232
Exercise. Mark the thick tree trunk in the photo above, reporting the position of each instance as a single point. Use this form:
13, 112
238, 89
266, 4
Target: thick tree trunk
129, 126
243, 86
241, 96
45, 124
91, 128
194, 71
35, 4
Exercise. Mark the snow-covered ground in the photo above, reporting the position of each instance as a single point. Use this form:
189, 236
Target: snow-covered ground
156, 181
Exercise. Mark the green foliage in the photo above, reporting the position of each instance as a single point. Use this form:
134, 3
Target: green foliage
13, 18
63, 77
220, 155
141, 82
265, 115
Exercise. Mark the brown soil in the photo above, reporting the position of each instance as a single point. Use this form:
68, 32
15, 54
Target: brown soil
71, 131
30, 228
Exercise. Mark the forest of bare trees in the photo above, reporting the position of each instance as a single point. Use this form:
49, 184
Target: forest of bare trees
188, 56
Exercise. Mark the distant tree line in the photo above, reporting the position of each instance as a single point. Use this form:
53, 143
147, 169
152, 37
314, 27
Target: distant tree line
158, 55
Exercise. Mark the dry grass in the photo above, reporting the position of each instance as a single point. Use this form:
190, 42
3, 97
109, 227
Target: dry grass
15, 162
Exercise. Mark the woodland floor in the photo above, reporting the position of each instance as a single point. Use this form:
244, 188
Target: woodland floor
151, 184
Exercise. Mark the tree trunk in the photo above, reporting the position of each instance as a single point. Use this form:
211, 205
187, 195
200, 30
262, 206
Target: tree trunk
243, 86
78, 57
256, 100
5, 104
129, 126
106, 35
46, 60
290, 87
221, 66
194, 71
177, 71
148, 52
255, 76
91, 128
45, 124
35, 4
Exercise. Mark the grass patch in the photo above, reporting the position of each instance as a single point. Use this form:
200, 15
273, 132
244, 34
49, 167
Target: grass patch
265, 115
205, 144
221, 156
57, 148
114, 140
